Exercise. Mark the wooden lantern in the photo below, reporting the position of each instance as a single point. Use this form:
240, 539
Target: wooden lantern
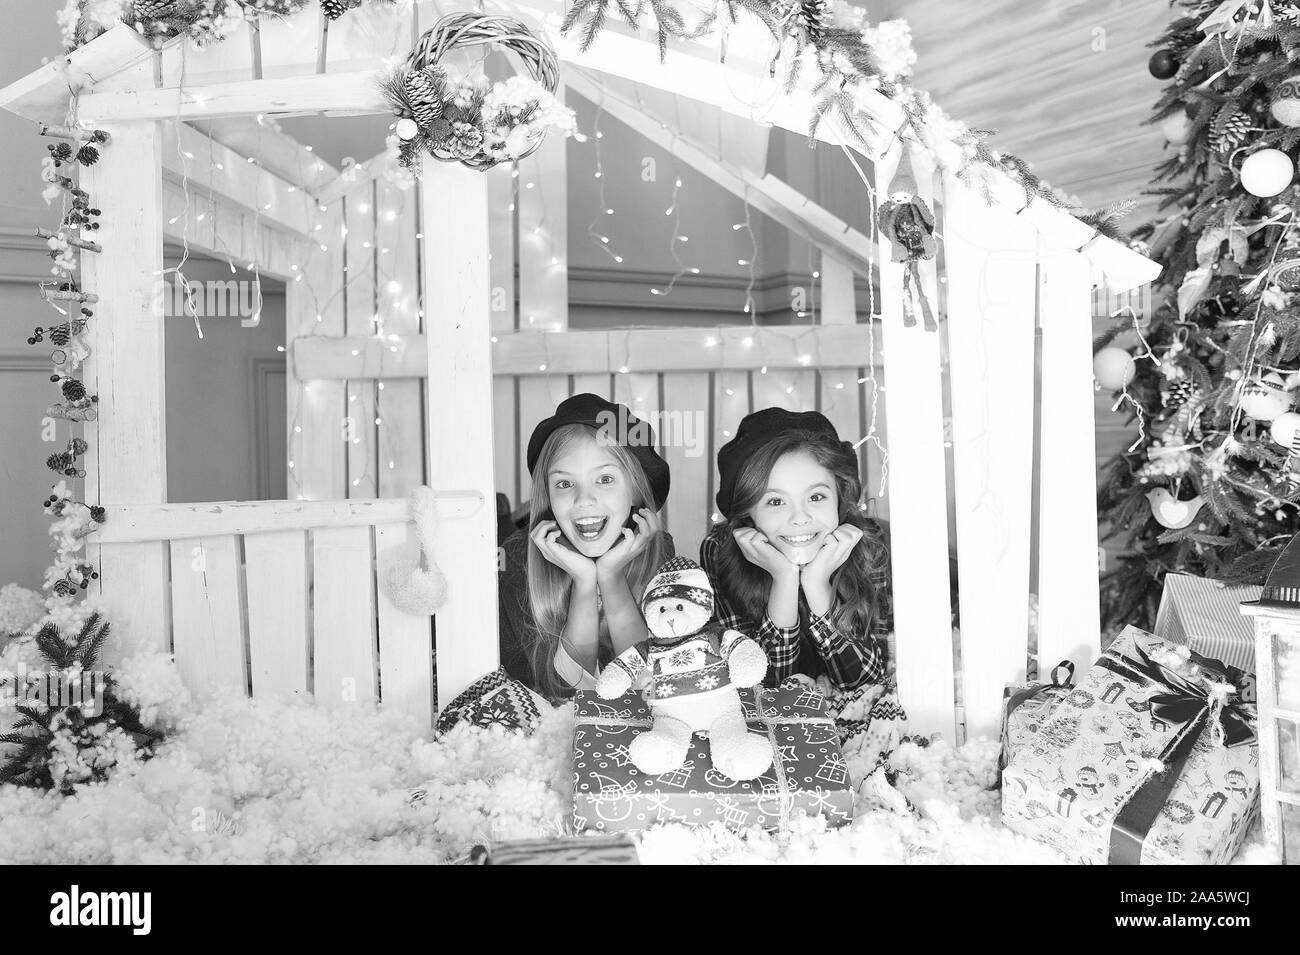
1277, 672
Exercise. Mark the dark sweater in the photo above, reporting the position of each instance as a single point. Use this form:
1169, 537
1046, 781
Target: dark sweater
517, 627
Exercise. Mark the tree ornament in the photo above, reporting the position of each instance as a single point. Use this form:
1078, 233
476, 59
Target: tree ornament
1230, 129
906, 221
1113, 368
1285, 428
1265, 398
1267, 172
88, 155
1286, 102
1170, 512
1176, 128
406, 129
1162, 64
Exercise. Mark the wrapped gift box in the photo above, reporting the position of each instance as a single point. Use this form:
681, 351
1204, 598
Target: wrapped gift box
1026, 705
1126, 767
1202, 614
809, 776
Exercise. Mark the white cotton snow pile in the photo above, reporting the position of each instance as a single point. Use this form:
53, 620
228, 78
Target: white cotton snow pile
260, 781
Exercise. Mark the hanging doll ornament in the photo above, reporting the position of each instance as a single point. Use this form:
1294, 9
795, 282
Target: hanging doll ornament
906, 221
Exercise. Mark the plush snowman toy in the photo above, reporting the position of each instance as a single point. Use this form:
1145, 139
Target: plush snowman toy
691, 673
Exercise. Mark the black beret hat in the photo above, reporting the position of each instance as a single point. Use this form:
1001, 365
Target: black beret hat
616, 421
758, 428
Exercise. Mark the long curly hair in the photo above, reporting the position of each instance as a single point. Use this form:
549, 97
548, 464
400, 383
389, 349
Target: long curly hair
549, 586
860, 585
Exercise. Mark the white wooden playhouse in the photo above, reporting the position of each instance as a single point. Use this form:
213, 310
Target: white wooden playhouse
281, 596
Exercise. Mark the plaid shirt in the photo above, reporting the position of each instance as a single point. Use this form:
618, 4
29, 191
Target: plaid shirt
850, 661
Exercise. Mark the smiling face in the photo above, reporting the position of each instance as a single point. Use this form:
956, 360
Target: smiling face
590, 494
799, 508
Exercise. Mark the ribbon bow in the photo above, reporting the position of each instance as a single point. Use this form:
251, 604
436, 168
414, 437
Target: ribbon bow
1188, 700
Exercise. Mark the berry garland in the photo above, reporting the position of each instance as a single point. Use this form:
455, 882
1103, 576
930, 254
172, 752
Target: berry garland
74, 519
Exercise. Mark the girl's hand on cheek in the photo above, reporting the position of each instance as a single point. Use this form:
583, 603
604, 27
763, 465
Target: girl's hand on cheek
835, 551
760, 552
550, 541
630, 544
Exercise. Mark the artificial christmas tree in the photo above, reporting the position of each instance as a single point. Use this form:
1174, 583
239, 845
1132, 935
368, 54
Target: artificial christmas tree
1217, 362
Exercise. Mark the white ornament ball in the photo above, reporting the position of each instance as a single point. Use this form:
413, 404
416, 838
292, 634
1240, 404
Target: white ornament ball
1176, 128
1265, 400
406, 129
1113, 368
1284, 427
1266, 172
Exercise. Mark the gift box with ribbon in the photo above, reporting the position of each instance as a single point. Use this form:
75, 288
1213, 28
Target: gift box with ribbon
808, 775
1152, 758
1202, 614
1026, 705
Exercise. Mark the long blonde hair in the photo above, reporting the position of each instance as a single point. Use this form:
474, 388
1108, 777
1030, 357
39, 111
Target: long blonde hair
549, 586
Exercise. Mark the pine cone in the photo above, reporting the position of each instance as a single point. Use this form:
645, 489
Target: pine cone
60, 335
422, 91
152, 9
814, 16
73, 390
1229, 130
88, 155
333, 9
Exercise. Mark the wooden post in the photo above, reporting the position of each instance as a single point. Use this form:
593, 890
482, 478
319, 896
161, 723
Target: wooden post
1069, 612
918, 489
127, 461
457, 297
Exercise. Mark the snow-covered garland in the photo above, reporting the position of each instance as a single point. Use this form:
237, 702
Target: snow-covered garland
203, 21
851, 57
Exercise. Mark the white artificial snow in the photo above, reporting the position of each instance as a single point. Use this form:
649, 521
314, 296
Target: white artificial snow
269, 781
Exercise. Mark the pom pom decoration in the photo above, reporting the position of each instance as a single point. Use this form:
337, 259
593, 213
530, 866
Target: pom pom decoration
412, 589
469, 121
1265, 398
1286, 102
1267, 172
1162, 64
1176, 128
1113, 368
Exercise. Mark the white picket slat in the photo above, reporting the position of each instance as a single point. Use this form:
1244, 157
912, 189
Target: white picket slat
507, 450
208, 613
362, 310
538, 397
501, 238
343, 616
543, 236
730, 405
400, 434
838, 299
405, 641
315, 306
918, 490
276, 575
686, 405
1069, 615
992, 276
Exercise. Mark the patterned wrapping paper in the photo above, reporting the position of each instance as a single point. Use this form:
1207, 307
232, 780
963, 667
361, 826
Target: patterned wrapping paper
1202, 614
1097, 750
1026, 705
610, 794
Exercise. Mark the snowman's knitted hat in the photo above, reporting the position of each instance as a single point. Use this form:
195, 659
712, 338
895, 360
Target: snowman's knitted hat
680, 579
